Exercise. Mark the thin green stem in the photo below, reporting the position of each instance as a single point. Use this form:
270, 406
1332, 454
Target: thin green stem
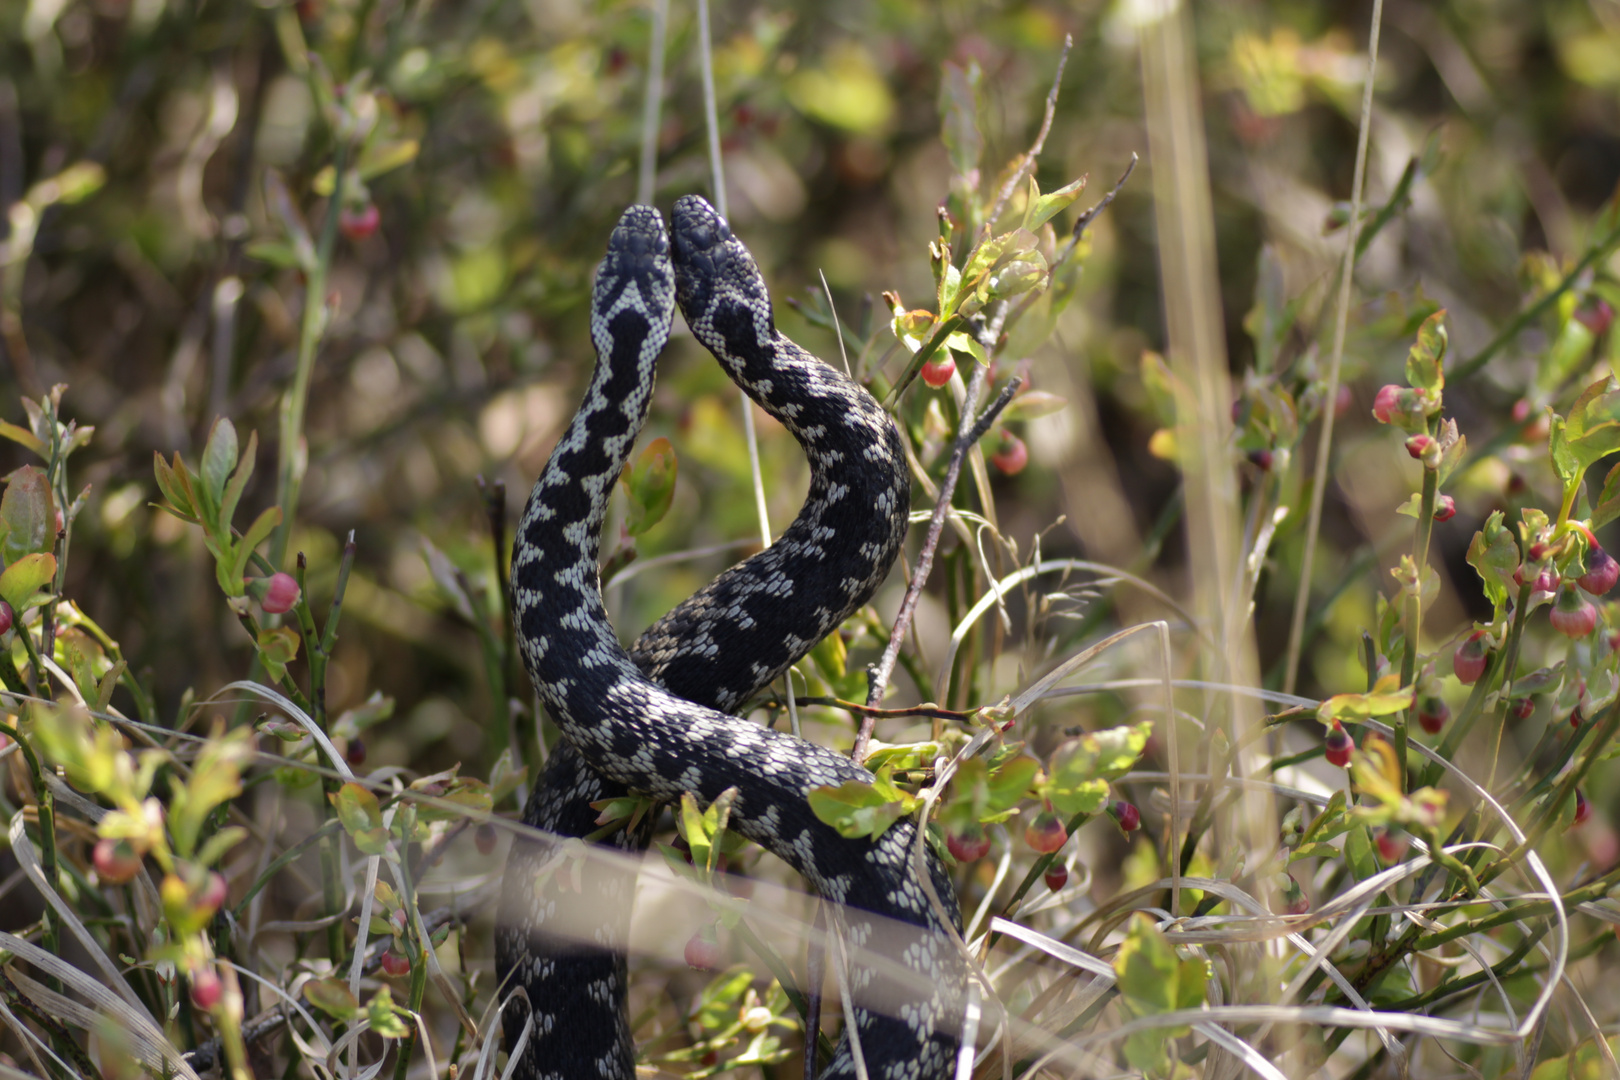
1414, 605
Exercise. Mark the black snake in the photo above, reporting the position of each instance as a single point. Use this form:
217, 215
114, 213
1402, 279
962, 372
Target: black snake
656, 720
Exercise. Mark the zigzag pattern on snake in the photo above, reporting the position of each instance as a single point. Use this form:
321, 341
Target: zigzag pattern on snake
719, 647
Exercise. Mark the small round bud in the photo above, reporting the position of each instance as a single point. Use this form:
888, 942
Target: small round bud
970, 845
357, 223
1468, 662
1523, 708
937, 373
355, 752
1417, 445
206, 989
1125, 815
1261, 459
1046, 833
1583, 809
280, 594
1386, 403
1602, 571
116, 861
394, 964
1572, 615
1056, 876
1338, 744
1432, 714
1011, 454
7, 617
703, 950
1391, 845
1445, 508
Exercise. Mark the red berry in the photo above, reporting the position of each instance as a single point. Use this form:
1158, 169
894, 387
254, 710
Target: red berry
1571, 615
206, 989
1056, 876
1391, 845
1046, 833
394, 964
116, 861
7, 617
703, 951
1523, 708
968, 846
361, 223
1596, 316
484, 838
1445, 508
1583, 809
1386, 403
1602, 571
1432, 714
1126, 815
1011, 456
1468, 662
355, 752
937, 373
1338, 744
1261, 459
280, 594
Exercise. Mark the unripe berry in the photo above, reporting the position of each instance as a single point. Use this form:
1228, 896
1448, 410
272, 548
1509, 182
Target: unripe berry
968, 846
1445, 508
937, 373
703, 951
1295, 902
355, 752
394, 964
1046, 833
1469, 661
1597, 315
206, 989
1338, 744
361, 222
1602, 571
7, 617
1583, 809
1523, 708
1571, 615
1391, 845
1261, 459
281, 594
1432, 714
1418, 445
1126, 815
1056, 876
116, 861
1386, 403
1011, 455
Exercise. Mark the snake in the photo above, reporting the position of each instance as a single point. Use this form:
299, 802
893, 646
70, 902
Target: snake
658, 719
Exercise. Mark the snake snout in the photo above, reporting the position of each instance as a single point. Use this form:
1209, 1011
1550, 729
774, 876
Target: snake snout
640, 234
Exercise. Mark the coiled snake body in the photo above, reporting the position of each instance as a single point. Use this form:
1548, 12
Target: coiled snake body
656, 721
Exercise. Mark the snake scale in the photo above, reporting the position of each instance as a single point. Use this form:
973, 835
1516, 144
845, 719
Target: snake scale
657, 719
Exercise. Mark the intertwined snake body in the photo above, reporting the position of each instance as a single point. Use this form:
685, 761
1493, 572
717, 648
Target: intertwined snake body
657, 721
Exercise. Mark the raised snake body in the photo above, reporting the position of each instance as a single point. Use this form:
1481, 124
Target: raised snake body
656, 720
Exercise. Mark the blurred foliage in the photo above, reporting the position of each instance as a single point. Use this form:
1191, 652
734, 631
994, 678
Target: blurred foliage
167, 169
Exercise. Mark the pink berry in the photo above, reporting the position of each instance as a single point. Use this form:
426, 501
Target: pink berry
1469, 661
1126, 815
212, 894
1046, 833
1445, 508
1583, 809
281, 593
1521, 410
937, 373
1386, 403
1056, 876
206, 989
1338, 744
1391, 845
1418, 445
1596, 316
968, 846
116, 861
1261, 459
7, 617
1011, 455
703, 951
394, 964
1523, 708
484, 838
1432, 714
1572, 615
1602, 571
357, 224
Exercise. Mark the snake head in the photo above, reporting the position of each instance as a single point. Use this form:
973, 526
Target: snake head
715, 276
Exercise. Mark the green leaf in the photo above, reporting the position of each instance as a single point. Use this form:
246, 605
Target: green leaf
29, 513
385, 1017
22, 437
1033, 404
965, 344
23, 580
281, 255
1387, 696
219, 459
257, 533
1154, 978
854, 809
1592, 429
1586, 1062
1425, 361
331, 996
1608, 501
1082, 767
650, 485
357, 808
381, 157
175, 483
1495, 555
239, 479
278, 647
1042, 208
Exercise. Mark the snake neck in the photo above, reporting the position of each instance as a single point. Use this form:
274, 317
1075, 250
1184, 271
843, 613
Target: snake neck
554, 563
